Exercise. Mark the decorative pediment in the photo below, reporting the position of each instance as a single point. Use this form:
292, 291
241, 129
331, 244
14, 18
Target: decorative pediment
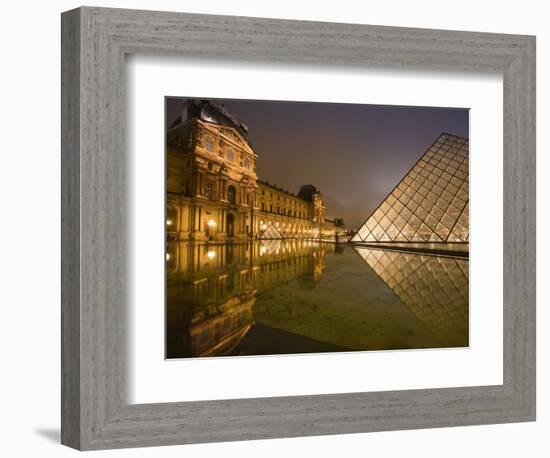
235, 137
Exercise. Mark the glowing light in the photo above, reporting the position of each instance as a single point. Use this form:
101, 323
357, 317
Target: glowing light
168, 256
211, 254
168, 222
211, 223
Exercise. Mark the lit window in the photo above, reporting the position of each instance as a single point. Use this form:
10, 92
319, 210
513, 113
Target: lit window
209, 142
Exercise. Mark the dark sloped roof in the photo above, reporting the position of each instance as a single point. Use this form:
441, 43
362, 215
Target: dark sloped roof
210, 111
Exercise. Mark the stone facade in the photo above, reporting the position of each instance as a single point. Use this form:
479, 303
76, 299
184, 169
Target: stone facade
214, 192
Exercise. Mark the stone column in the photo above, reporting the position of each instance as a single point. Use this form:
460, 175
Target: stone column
196, 218
252, 224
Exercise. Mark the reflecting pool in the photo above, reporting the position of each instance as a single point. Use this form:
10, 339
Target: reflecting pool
292, 296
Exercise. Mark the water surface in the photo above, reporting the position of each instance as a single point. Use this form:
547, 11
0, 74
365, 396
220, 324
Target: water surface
290, 296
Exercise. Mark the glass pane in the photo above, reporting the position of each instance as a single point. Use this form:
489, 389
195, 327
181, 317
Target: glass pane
442, 231
391, 214
407, 232
399, 221
392, 232
384, 207
421, 213
398, 206
414, 222
363, 232
448, 221
377, 232
437, 213
384, 223
406, 214
431, 222
371, 223
453, 212
427, 204
441, 203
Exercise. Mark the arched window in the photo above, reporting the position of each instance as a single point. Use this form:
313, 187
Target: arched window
231, 194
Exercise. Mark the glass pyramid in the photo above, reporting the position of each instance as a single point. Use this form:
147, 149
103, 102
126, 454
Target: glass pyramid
434, 288
271, 233
430, 204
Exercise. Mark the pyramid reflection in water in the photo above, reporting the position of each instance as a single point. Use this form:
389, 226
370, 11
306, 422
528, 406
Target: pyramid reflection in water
271, 233
434, 288
430, 204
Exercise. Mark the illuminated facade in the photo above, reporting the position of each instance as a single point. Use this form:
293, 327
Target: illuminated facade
430, 204
213, 190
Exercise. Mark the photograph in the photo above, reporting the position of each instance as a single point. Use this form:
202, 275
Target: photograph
308, 227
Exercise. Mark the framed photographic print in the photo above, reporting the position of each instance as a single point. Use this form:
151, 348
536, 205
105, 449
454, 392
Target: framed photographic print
256, 269
286, 228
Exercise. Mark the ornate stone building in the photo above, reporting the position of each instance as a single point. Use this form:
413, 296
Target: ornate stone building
213, 190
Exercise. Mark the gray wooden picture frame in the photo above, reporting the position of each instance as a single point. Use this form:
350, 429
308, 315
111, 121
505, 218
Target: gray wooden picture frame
95, 41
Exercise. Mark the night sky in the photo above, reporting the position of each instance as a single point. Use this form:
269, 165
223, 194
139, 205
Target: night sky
353, 154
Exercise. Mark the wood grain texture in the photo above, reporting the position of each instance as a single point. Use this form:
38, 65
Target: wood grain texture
70, 229
96, 414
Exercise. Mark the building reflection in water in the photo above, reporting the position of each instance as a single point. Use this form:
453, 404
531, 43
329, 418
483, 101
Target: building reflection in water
212, 289
296, 296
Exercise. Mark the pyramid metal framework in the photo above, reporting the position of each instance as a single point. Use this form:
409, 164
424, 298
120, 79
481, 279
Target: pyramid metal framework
271, 233
434, 288
430, 204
